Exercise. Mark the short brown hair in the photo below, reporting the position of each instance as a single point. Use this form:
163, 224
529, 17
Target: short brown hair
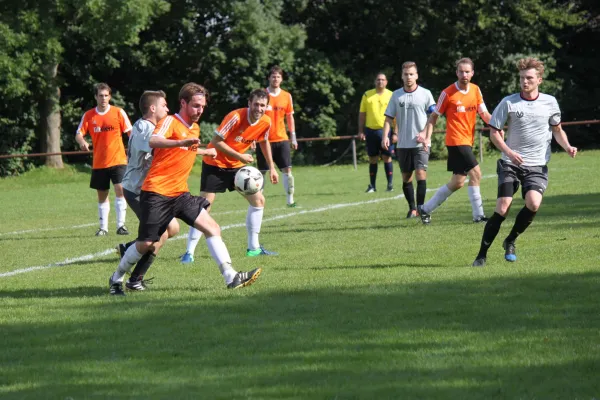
409, 64
149, 98
465, 60
102, 86
276, 69
190, 90
258, 94
531, 63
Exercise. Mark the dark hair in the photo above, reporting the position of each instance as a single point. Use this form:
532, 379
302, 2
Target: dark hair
258, 94
102, 86
190, 90
276, 69
465, 60
149, 98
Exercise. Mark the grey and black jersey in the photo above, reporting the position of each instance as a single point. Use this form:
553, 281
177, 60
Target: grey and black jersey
411, 110
139, 155
529, 126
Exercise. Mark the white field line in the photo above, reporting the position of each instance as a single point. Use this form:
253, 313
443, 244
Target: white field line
86, 257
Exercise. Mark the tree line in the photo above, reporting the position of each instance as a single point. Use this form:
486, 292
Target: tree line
52, 52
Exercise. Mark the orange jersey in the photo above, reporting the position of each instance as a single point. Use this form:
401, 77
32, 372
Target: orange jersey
238, 133
106, 129
279, 107
171, 167
461, 113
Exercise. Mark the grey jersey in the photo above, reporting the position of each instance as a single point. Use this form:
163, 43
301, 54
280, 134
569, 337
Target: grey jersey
529, 133
139, 155
410, 110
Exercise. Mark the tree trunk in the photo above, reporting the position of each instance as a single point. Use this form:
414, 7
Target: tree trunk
50, 118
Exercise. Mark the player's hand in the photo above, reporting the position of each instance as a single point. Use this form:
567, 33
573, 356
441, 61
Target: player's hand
212, 152
273, 176
253, 145
246, 158
190, 142
572, 151
385, 143
394, 138
421, 138
361, 136
84, 146
515, 158
294, 145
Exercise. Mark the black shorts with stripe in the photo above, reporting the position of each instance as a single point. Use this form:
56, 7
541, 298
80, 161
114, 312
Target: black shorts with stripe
510, 176
461, 159
217, 180
158, 211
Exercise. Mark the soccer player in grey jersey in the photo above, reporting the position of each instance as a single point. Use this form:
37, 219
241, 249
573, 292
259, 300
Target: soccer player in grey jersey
410, 106
533, 118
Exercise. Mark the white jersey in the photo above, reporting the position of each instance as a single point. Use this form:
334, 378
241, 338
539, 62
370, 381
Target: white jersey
139, 155
410, 110
529, 132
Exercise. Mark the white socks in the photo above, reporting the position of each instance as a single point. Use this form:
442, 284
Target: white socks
103, 210
130, 258
121, 207
288, 186
476, 201
253, 223
438, 198
219, 253
192, 241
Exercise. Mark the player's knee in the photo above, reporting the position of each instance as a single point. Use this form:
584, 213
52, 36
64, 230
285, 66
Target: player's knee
256, 200
173, 229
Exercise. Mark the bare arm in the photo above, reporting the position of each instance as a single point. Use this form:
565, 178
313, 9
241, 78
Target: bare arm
224, 148
385, 140
265, 146
362, 118
291, 123
83, 145
424, 136
497, 137
159, 142
563, 141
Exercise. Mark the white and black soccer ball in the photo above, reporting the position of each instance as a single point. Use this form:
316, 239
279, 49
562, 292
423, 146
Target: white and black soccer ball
248, 180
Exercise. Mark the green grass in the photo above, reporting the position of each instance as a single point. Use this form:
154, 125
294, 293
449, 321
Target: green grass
360, 304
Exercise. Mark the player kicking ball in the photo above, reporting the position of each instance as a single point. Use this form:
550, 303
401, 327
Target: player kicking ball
238, 130
532, 118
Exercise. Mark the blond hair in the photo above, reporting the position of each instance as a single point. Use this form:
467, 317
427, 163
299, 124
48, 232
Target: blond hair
409, 64
531, 63
465, 60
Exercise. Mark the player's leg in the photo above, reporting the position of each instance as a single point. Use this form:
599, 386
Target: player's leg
373, 141
133, 201
282, 157
100, 181
457, 165
535, 182
405, 161
116, 175
475, 195
508, 184
211, 182
209, 227
254, 217
421, 161
388, 165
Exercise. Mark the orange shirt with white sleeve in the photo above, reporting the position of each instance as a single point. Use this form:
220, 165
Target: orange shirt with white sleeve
106, 129
171, 167
238, 133
279, 107
461, 109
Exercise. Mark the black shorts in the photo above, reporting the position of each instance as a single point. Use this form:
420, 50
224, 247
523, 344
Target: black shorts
217, 180
281, 156
530, 178
412, 158
461, 159
373, 138
102, 177
159, 210
133, 201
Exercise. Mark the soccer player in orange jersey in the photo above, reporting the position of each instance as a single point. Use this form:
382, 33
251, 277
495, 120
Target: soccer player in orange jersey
165, 194
461, 102
239, 129
106, 124
280, 110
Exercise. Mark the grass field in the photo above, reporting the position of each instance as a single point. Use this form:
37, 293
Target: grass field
360, 304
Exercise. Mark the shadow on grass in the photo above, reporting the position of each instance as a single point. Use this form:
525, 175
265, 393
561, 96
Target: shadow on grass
506, 337
571, 206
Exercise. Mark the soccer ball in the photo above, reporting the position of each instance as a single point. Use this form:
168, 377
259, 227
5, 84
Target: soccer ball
248, 180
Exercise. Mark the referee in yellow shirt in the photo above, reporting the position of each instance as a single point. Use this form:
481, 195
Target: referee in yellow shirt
370, 128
